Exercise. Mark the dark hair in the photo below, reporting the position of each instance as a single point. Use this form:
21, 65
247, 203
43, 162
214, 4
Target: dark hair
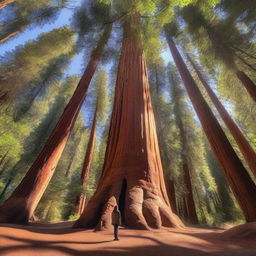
116, 208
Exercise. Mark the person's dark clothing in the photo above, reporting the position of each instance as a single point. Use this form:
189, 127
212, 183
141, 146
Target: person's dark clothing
116, 221
116, 232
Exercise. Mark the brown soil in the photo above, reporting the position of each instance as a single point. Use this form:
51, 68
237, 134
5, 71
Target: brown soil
60, 239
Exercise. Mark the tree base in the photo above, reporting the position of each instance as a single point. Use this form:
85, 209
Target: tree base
14, 211
143, 208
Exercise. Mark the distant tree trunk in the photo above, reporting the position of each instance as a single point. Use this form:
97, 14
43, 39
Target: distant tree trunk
81, 198
132, 175
23, 201
172, 195
4, 3
7, 184
192, 216
244, 146
242, 185
2, 161
247, 83
190, 202
5, 38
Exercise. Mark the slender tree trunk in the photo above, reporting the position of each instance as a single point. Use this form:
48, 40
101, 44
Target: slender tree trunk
7, 184
242, 185
14, 33
172, 195
190, 202
23, 201
81, 198
132, 174
4, 3
3, 159
247, 83
192, 216
244, 146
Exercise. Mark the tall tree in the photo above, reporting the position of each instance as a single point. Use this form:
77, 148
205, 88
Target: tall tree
21, 69
4, 3
244, 146
132, 174
242, 185
179, 106
99, 113
220, 42
27, 12
25, 198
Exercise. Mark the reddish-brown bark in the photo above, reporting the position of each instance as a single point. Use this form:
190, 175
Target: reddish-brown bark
2, 40
80, 201
244, 146
23, 201
190, 202
240, 182
189, 198
247, 83
4, 3
132, 174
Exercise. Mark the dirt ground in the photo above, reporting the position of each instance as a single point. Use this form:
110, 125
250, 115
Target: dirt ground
59, 239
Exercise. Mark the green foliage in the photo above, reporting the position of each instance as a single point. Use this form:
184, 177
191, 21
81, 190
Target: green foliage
32, 59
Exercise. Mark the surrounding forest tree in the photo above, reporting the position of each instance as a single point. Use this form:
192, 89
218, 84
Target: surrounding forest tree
65, 156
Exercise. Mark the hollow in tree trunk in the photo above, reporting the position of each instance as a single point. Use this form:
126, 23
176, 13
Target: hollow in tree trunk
244, 146
240, 182
132, 174
23, 201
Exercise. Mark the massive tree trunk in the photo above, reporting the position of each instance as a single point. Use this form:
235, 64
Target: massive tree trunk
23, 201
4, 3
80, 201
242, 185
243, 144
247, 83
132, 175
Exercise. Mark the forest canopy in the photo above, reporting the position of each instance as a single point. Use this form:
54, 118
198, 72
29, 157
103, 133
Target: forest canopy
149, 105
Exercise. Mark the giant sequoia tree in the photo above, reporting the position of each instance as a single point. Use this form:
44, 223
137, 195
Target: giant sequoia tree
132, 175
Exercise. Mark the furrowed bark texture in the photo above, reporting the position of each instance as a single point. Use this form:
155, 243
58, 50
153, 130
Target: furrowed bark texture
80, 201
247, 83
240, 182
243, 144
132, 175
23, 201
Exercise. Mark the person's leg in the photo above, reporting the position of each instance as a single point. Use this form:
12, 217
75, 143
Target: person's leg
116, 231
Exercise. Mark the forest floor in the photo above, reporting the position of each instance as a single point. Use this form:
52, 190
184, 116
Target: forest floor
59, 240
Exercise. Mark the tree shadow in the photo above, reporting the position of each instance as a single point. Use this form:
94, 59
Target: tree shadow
158, 248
